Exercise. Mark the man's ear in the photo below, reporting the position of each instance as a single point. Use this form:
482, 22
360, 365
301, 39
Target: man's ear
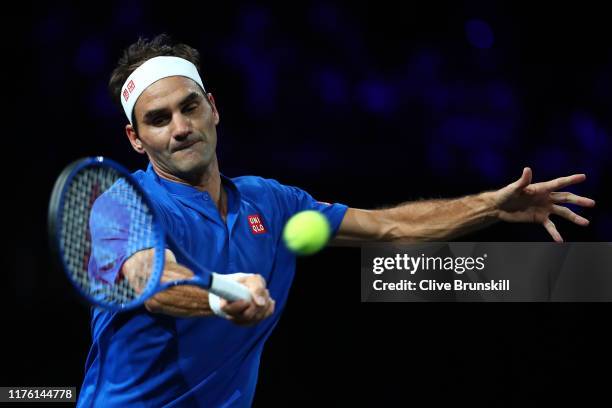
134, 139
215, 112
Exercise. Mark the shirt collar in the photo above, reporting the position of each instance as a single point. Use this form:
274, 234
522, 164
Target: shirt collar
187, 191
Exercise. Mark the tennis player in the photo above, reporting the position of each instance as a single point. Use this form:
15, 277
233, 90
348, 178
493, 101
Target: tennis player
187, 348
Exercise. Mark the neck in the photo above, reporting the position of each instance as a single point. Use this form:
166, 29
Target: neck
208, 180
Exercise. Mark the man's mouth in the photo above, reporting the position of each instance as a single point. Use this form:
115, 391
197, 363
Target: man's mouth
185, 146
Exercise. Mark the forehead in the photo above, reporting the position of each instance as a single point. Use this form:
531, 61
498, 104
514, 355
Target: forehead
165, 93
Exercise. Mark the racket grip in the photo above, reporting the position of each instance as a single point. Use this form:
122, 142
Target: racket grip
228, 288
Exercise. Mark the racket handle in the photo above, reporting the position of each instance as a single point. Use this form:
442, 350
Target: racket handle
228, 288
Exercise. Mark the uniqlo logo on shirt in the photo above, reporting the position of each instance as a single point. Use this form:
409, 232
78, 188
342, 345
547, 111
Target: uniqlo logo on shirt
255, 224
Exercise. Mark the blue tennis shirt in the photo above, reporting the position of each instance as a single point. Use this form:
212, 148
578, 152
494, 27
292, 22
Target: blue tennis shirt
140, 359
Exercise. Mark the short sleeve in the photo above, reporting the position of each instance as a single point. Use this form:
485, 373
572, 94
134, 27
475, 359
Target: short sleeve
118, 227
293, 200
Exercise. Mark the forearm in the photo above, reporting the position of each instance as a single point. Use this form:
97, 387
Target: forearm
436, 220
177, 301
180, 301
427, 220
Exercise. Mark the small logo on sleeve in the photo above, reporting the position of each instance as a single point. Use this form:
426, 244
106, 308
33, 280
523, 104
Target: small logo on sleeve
255, 224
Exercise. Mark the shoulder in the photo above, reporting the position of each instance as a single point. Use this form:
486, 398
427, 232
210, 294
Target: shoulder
158, 195
140, 176
248, 185
271, 193
148, 183
263, 192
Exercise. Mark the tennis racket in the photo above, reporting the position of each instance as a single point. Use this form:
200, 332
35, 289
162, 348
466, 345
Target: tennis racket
100, 217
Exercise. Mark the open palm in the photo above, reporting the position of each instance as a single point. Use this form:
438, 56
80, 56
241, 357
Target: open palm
522, 201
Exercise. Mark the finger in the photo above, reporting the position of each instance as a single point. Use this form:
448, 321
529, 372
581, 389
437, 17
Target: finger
570, 198
254, 280
562, 182
255, 314
261, 279
260, 313
570, 215
261, 308
270, 309
266, 310
552, 230
236, 308
257, 286
525, 178
249, 315
260, 296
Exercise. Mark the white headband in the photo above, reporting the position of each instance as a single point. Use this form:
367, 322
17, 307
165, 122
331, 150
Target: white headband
152, 71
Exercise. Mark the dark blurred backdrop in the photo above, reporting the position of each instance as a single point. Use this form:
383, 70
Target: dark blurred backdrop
368, 104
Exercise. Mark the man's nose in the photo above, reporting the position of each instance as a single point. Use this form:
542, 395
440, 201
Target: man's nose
182, 126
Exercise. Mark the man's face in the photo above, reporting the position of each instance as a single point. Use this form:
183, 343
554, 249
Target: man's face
176, 127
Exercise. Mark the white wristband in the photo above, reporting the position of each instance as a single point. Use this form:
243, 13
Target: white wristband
214, 301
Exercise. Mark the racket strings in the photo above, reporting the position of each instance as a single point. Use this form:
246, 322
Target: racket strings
101, 205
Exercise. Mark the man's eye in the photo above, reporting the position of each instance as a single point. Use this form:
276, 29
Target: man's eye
191, 108
158, 121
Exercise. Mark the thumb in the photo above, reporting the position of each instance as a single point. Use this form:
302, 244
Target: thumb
525, 178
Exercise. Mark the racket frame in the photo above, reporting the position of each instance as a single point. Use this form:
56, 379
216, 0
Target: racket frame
208, 280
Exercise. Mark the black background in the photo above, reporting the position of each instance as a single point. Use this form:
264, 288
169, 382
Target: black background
366, 104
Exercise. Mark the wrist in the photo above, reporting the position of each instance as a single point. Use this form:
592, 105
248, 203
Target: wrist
490, 204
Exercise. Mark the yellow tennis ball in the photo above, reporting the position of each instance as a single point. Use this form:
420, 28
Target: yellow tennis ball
306, 232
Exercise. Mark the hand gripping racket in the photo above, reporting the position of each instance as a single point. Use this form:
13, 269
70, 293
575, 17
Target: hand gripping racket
99, 217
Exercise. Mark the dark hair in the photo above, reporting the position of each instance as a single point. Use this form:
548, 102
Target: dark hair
141, 51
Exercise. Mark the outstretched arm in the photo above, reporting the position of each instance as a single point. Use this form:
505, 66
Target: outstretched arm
432, 220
